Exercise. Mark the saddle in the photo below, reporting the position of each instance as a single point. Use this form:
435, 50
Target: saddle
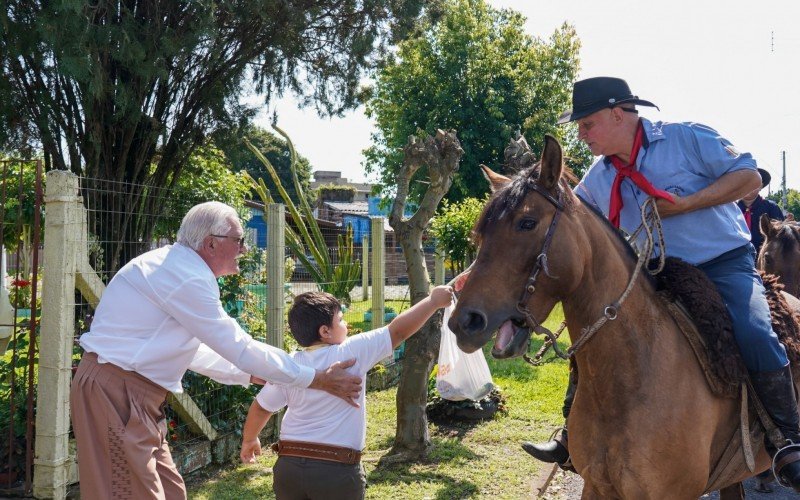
694, 302
697, 307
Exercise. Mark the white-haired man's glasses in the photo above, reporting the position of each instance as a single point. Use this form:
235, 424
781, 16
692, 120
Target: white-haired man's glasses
239, 239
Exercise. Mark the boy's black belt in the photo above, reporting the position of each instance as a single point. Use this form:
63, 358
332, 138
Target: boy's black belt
317, 451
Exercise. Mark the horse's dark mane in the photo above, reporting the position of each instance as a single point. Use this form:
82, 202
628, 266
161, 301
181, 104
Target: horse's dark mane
507, 199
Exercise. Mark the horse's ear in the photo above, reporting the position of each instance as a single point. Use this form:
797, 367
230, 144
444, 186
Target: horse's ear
552, 163
767, 229
497, 181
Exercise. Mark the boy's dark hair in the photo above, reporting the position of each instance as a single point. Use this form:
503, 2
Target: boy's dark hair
309, 312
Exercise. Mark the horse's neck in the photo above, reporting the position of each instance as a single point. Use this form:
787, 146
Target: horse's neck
607, 271
631, 337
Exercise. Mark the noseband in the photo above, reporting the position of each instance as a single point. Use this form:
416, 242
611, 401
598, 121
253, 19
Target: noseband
539, 265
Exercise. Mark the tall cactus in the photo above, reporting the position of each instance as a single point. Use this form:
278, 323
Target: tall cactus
307, 239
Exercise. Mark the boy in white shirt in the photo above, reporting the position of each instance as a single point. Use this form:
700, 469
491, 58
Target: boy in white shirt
322, 436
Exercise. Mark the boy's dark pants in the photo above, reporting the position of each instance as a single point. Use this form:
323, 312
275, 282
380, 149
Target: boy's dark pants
296, 478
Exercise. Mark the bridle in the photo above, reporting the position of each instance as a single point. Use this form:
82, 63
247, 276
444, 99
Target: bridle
538, 266
611, 311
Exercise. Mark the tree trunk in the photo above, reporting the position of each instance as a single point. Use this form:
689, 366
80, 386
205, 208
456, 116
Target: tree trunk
441, 156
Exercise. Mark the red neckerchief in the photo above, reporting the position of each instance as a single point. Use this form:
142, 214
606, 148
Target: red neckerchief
748, 212
629, 170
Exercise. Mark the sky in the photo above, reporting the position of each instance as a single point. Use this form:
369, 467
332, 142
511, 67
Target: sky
733, 65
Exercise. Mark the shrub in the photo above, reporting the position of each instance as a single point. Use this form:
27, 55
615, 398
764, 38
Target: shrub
452, 227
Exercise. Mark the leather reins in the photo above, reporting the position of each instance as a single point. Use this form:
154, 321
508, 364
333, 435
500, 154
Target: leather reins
611, 311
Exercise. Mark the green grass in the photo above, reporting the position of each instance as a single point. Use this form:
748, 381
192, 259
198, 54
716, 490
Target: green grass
355, 312
467, 461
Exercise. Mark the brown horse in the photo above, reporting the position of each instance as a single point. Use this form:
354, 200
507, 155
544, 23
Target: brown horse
644, 423
780, 252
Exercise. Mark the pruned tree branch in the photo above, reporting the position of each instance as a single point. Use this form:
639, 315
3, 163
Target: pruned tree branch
518, 155
439, 157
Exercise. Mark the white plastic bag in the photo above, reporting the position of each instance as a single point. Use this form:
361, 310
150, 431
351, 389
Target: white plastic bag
460, 375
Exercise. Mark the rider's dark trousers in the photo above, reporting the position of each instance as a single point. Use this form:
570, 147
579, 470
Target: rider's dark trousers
741, 288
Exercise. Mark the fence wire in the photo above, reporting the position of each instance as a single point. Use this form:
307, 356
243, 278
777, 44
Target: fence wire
124, 220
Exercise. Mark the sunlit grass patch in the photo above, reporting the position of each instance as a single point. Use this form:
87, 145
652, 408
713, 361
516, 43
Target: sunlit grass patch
468, 460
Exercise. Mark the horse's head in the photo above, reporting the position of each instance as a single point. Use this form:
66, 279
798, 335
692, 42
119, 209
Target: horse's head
528, 257
780, 252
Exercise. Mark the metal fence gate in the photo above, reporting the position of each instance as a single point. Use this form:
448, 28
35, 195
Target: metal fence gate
20, 236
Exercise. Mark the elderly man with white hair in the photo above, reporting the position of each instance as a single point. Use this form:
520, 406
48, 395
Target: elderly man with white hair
159, 316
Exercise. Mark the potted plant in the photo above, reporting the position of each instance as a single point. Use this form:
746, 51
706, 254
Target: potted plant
388, 314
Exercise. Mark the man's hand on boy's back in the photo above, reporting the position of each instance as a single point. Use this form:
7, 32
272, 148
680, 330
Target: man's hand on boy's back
338, 382
412, 319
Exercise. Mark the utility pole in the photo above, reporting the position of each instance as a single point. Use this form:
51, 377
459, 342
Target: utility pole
783, 184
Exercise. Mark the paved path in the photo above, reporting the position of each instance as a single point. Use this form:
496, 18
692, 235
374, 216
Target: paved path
568, 486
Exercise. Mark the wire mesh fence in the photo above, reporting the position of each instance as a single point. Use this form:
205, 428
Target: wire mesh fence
114, 235
117, 221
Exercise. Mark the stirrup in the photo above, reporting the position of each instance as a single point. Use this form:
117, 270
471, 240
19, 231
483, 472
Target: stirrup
566, 464
788, 450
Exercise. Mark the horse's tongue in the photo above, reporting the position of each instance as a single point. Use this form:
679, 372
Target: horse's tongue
504, 336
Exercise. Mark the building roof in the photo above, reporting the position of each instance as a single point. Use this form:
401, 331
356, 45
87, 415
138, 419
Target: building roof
355, 207
256, 205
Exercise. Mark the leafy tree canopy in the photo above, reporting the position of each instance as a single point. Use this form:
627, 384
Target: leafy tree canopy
478, 72
275, 149
792, 201
206, 177
18, 194
106, 85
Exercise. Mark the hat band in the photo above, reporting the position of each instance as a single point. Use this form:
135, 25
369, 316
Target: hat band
609, 102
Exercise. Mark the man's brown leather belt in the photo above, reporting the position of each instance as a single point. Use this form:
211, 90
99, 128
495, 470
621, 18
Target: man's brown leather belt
318, 451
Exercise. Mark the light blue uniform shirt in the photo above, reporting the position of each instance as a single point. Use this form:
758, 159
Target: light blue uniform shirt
681, 158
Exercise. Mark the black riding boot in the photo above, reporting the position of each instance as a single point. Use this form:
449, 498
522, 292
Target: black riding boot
776, 391
555, 450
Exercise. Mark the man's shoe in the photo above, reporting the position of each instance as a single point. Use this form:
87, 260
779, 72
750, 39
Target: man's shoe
553, 452
786, 466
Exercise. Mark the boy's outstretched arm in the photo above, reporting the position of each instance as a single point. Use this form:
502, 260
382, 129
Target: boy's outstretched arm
411, 320
257, 418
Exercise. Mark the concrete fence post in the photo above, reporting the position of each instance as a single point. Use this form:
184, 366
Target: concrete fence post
365, 268
438, 267
276, 274
378, 270
62, 224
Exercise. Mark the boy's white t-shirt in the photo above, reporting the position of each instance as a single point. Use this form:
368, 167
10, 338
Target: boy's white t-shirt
318, 417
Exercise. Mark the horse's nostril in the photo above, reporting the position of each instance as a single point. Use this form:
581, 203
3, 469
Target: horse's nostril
473, 321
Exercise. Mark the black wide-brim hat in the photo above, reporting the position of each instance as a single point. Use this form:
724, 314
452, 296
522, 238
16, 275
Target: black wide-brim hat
593, 94
765, 177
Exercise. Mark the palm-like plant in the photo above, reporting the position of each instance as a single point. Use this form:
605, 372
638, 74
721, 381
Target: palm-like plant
307, 240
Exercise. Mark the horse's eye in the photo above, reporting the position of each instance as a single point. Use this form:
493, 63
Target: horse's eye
526, 224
